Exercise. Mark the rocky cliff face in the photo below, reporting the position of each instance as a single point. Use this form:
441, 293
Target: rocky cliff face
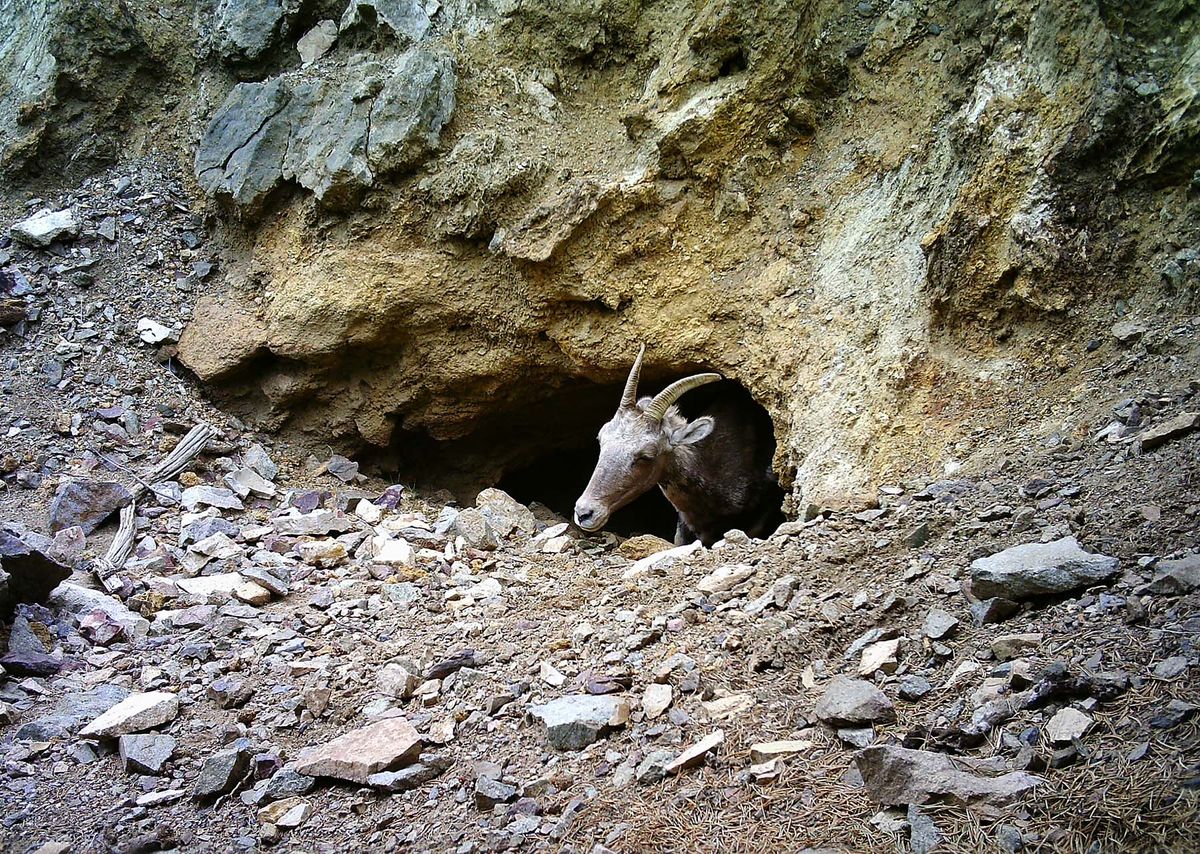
450, 224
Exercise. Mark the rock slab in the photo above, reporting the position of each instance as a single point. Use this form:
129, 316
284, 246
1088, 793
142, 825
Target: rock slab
136, 713
1039, 569
573, 722
898, 775
382, 746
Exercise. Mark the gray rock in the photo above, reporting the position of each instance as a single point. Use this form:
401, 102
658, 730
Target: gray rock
994, 610
267, 579
287, 783
247, 29
210, 496
431, 766
80, 601
45, 226
849, 702
145, 754
222, 771
315, 130
135, 713
230, 692
505, 513
923, 833
406, 18
913, 687
86, 504
489, 792
573, 722
1039, 569
31, 573
476, 530
654, 767
257, 458
1174, 577
316, 42
898, 775
939, 624
1172, 428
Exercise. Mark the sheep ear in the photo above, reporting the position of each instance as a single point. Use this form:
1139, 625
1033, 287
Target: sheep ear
692, 432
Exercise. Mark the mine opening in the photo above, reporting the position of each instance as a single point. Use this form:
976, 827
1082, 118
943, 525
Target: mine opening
544, 453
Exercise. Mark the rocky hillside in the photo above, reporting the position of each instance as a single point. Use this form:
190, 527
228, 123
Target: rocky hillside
396, 253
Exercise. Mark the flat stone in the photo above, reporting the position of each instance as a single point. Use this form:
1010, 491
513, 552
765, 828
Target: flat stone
850, 702
1039, 569
725, 578
575, 721
210, 496
939, 624
1006, 647
1067, 725
880, 656
428, 769
1166, 431
382, 746
45, 226
694, 755
204, 586
136, 713
726, 708
289, 812
145, 754
657, 699
86, 504
1174, 577
319, 523
1171, 668
247, 481
489, 792
316, 42
765, 751
898, 775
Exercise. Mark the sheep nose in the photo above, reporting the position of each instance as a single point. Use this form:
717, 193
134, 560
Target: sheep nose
585, 515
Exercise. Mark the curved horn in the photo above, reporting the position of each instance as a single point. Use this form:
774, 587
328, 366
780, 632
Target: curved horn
658, 407
629, 397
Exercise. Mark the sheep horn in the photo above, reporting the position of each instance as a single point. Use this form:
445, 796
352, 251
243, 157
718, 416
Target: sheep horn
658, 407
629, 397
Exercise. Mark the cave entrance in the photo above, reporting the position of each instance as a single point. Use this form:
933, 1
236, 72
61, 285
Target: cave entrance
544, 450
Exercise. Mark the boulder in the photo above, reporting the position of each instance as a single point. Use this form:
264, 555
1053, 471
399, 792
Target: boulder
1039, 569
852, 702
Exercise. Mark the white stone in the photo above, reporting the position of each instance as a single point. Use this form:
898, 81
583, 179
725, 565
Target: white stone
657, 699
880, 656
1068, 725
641, 567
136, 713
725, 578
549, 674
368, 511
153, 332
392, 551
206, 585
45, 226
724, 708
765, 751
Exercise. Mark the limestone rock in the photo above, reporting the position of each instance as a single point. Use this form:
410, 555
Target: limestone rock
1174, 577
505, 513
45, 226
475, 529
1039, 569
31, 572
314, 130
765, 751
898, 775
316, 42
657, 699
145, 754
1067, 725
247, 29
136, 713
355, 756
86, 504
575, 721
880, 656
851, 702
694, 755
725, 578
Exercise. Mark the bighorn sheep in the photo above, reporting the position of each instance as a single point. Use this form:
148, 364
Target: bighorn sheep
715, 470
